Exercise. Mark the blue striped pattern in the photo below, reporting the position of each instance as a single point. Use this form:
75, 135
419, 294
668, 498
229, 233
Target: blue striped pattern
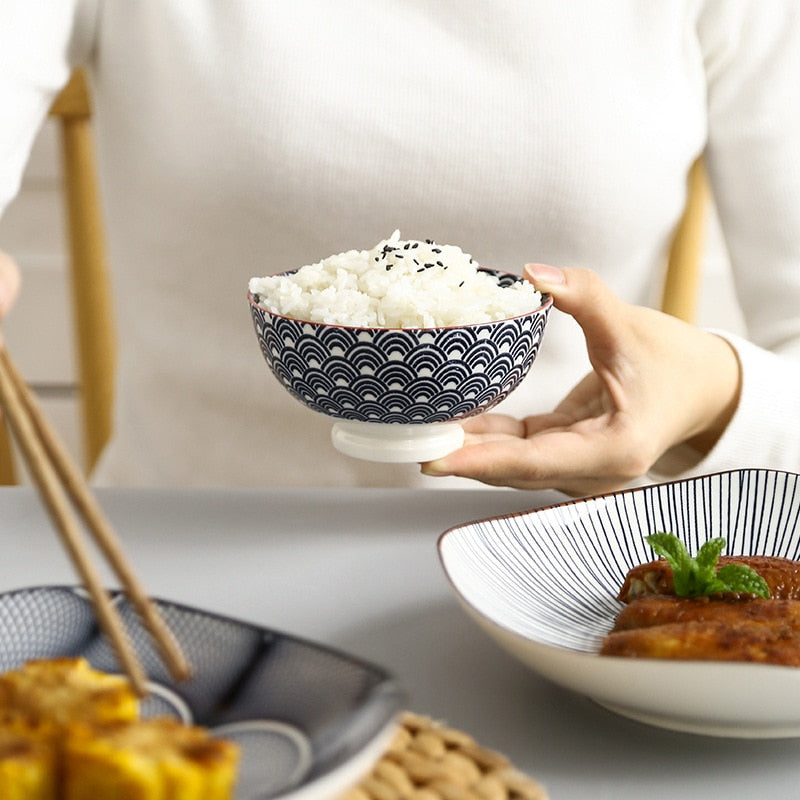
551, 575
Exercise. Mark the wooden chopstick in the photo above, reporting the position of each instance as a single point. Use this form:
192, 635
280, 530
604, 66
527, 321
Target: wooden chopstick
59, 480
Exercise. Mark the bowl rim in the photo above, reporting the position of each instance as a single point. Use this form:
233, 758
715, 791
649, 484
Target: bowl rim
572, 501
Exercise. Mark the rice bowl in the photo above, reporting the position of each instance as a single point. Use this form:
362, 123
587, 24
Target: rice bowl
397, 391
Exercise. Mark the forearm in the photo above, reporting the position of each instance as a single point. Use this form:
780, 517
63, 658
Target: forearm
764, 428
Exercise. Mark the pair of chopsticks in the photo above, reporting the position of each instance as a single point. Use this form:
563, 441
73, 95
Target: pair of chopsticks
60, 481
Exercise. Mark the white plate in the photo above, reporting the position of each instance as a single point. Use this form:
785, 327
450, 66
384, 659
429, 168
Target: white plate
543, 583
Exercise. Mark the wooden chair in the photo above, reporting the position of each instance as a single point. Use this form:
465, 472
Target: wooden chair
90, 285
682, 280
90, 288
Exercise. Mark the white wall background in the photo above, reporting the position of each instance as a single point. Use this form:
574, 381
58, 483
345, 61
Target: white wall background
38, 331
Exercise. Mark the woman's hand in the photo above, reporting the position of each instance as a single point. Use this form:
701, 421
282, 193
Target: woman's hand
656, 382
9, 282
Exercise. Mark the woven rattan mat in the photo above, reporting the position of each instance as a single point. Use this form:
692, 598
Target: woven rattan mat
429, 761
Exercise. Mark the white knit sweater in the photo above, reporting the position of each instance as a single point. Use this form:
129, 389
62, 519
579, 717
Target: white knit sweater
245, 137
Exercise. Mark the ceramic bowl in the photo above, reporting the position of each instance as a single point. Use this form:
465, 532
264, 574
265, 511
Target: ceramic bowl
397, 394
544, 583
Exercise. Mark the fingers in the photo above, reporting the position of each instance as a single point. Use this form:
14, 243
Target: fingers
494, 424
9, 282
614, 425
575, 290
582, 294
634, 350
562, 459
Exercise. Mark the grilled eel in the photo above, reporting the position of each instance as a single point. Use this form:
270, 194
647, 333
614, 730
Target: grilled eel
782, 575
768, 641
655, 623
652, 610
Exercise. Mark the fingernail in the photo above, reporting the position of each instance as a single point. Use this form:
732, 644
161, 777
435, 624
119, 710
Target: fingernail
543, 275
435, 469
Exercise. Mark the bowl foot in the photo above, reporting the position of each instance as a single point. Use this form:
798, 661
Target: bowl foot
396, 443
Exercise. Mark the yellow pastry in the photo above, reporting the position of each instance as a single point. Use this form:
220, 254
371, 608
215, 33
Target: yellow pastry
27, 763
70, 732
65, 690
155, 759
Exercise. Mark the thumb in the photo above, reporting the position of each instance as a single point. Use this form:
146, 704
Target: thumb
581, 293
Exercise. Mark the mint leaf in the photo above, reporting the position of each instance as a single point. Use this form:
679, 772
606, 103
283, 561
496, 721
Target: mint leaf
695, 577
706, 566
670, 547
684, 567
741, 578
709, 553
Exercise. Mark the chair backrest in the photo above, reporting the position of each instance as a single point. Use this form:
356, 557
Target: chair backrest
89, 280
682, 279
94, 333
91, 293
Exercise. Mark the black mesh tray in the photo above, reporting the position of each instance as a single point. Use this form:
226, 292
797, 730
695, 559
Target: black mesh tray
310, 719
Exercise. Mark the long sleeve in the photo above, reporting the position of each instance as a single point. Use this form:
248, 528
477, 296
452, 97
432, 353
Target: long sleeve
40, 43
752, 62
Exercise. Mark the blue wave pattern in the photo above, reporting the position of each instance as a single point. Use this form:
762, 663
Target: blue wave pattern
412, 375
552, 575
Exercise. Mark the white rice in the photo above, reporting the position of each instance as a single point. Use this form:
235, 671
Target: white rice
397, 284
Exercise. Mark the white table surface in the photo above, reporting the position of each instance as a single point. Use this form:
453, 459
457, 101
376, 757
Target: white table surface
359, 570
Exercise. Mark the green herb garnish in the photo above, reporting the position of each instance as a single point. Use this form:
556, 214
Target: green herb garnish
695, 577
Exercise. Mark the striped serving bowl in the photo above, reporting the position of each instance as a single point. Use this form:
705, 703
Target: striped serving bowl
544, 583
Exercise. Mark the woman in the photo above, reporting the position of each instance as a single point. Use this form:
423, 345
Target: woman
245, 138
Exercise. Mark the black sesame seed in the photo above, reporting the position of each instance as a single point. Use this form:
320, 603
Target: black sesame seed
436, 250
